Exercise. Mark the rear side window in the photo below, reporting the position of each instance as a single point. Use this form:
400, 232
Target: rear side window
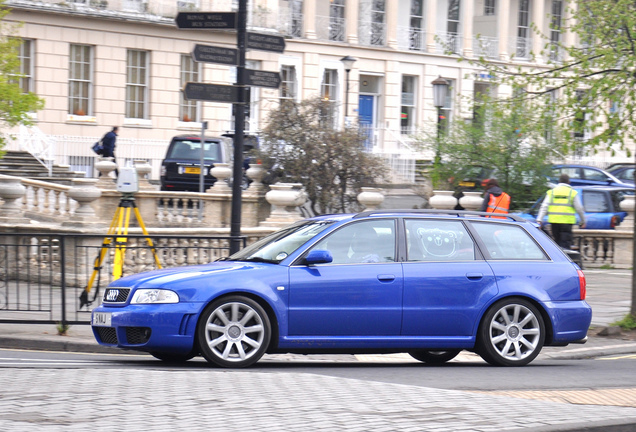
435, 240
191, 150
595, 202
508, 242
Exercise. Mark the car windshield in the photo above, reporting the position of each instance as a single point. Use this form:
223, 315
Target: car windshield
277, 246
191, 149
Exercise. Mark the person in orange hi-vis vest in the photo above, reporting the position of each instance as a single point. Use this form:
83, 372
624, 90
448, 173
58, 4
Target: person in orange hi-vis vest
495, 199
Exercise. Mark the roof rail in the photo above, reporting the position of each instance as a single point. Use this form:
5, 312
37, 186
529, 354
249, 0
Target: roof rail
440, 212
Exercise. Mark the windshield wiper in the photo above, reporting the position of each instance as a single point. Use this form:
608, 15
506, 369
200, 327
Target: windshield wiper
257, 259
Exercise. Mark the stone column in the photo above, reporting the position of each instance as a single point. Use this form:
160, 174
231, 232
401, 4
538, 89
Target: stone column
431, 27
352, 8
503, 24
285, 199
391, 24
370, 198
11, 192
309, 18
467, 16
84, 192
539, 19
443, 200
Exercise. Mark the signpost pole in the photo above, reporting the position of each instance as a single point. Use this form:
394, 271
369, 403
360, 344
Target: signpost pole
239, 126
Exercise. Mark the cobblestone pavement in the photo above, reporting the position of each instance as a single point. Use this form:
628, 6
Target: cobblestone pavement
32, 399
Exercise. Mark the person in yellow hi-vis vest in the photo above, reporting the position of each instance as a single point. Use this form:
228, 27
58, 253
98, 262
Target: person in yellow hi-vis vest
562, 204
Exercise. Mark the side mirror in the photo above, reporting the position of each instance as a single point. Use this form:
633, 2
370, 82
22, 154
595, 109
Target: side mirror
318, 256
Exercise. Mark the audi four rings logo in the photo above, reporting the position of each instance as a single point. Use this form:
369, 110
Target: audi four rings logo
111, 295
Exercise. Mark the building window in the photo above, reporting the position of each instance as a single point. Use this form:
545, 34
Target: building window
407, 113
296, 18
453, 25
489, 7
80, 84
416, 28
337, 20
329, 93
523, 30
378, 15
188, 110
25, 55
555, 29
288, 82
137, 84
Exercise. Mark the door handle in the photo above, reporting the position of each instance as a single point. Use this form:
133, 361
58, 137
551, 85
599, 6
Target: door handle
474, 276
386, 277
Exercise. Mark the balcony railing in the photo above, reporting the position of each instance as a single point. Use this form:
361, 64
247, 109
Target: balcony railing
448, 42
412, 39
371, 33
330, 28
521, 47
486, 46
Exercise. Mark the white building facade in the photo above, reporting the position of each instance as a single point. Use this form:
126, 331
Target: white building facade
104, 63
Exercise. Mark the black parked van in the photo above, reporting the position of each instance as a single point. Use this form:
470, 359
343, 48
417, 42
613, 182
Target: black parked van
180, 170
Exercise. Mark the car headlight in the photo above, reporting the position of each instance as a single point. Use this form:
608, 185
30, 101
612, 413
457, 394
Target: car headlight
144, 296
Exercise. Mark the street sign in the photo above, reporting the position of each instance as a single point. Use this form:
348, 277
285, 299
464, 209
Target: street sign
261, 78
206, 20
212, 54
265, 42
210, 92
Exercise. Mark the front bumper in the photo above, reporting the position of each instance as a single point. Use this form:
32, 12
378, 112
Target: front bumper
160, 327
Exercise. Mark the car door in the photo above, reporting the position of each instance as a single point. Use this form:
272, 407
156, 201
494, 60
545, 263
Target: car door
358, 294
446, 281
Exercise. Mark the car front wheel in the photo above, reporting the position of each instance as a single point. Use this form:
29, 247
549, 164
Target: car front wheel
511, 333
434, 357
233, 332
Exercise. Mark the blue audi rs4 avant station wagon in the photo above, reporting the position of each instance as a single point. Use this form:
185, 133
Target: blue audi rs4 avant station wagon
424, 282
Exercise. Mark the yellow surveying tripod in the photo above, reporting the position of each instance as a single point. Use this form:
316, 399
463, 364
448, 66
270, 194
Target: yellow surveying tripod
118, 227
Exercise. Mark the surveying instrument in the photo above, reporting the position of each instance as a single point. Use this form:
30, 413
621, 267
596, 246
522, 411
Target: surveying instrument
127, 184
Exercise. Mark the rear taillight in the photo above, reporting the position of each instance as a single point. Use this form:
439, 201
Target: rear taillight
614, 221
582, 284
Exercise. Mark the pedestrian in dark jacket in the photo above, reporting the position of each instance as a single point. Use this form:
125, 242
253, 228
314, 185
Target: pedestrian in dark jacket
495, 199
108, 143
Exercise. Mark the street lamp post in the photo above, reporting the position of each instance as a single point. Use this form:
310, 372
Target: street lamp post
348, 62
440, 88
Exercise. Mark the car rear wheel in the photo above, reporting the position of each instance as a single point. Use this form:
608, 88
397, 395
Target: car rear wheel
233, 332
434, 357
511, 333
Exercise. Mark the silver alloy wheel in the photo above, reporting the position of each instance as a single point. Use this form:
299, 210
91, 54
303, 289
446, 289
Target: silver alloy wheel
234, 332
515, 332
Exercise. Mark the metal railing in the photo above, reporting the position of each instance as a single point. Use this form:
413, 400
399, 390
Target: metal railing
43, 275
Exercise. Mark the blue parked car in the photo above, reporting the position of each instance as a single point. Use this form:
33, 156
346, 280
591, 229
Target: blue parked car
601, 204
429, 283
623, 172
582, 175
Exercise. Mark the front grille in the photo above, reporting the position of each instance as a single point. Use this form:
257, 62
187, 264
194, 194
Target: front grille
107, 335
116, 295
137, 335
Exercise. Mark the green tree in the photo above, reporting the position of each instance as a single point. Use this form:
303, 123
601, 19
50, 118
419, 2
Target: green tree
331, 164
594, 80
15, 105
507, 137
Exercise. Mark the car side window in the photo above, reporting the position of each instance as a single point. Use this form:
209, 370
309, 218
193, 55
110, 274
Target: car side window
508, 242
595, 202
371, 241
435, 240
590, 174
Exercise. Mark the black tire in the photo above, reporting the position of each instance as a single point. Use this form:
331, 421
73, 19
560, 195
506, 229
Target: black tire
233, 332
173, 358
434, 356
511, 333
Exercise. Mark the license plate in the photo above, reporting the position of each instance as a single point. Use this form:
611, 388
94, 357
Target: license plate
467, 184
102, 319
192, 170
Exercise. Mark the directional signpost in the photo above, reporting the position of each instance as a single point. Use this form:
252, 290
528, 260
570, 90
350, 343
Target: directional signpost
265, 42
261, 78
231, 94
206, 20
212, 54
211, 92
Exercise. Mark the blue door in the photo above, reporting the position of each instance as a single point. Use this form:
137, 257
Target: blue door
365, 118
